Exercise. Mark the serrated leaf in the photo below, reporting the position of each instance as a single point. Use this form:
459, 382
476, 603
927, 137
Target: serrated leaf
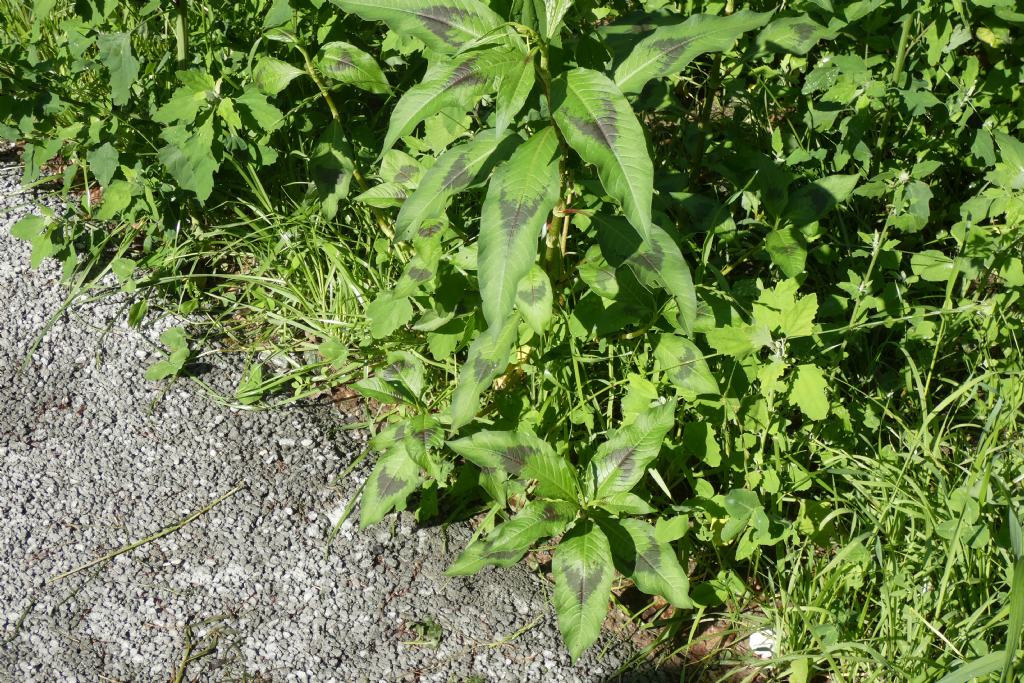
266, 117
186, 101
809, 392
458, 168
621, 461
668, 49
534, 299
520, 197
442, 25
271, 75
393, 479
795, 35
28, 228
189, 158
651, 564
346, 63
598, 122
509, 541
684, 364
514, 88
487, 358
583, 571
458, 83
388, 313
115, 51
103, 163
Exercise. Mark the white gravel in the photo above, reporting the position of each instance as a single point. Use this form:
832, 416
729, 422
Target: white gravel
93, 456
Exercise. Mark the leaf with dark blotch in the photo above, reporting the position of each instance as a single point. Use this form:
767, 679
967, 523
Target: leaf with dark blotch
652, 565
502, 451
622, 460
668, 49
460, 83
583, 571
393, 478
456, 169
794, 35
520, 197
534, 299
599, 124
685, 366
442, 25
346, 63
509, 541
487, 358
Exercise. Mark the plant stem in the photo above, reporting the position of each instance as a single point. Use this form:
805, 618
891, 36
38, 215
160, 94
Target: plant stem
181, 31
149, 539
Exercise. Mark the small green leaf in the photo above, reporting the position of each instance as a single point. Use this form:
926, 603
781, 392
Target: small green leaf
123, 268
271, 75
103, 163
809, 392
334, 352
796, 35
28, 228
266, 117
583, 571
788, 251
684, 364
115, 51
534, 299
116, 199
812, 201
189, 157
346, 63
388, 313
393, 478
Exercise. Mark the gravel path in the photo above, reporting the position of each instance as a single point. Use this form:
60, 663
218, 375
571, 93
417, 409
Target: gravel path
92, 457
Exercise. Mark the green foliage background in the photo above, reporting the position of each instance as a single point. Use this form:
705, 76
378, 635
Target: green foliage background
718, 303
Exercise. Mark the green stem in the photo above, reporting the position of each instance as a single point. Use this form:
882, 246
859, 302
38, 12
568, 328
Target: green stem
181, 31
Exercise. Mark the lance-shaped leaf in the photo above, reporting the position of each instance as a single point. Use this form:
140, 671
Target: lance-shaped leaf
393, 478
656, 261
554, 12
346, 63
519, 199
456, 169
651, 564
504, 452
597, 121
583, 571
442, 25
522, 455
487, 358
620, 462
513, 90
458, 83
534, 299
383, 196
668, 49
684, 364
509, 541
